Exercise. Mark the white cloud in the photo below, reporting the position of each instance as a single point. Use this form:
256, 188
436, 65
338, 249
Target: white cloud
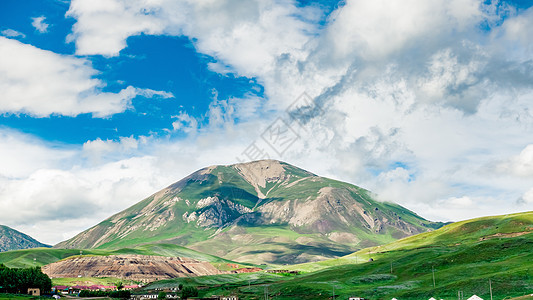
520, 165
13, 33
527, 198
42, 83
186, 123
248, 36
21, 155
373, 30
516, 41
40, 183
99, 150
39, 24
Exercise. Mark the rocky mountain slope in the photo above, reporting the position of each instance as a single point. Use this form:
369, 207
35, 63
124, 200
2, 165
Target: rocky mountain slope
132, 267
263, 211
11, 239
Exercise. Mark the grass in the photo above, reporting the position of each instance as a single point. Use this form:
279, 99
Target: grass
88, 281
20, 296
42, 256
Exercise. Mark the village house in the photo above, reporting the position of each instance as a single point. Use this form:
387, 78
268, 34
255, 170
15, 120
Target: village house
143, 297
282, 272
34, 291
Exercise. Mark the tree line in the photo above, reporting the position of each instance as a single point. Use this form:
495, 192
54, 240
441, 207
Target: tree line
17, 281
111, 294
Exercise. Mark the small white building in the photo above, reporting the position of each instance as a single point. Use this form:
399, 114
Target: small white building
475, 297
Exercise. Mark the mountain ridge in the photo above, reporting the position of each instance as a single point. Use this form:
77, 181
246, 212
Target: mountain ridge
11, 239
229, 210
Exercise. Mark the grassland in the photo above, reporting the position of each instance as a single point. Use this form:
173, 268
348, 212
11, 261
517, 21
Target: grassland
20, 297
88, 281
42, 256
461, 257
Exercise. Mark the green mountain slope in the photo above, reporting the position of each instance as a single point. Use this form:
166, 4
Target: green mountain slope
11, 239
462, 256
264, 211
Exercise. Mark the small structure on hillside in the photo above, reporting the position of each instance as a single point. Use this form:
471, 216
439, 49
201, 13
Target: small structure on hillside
247, 270
356, 298
131, 287
34, 291
282, 272
475, 297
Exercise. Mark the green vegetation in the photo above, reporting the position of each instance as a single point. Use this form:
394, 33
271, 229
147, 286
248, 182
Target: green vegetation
189, 291
19, 280
20, 297
462, 256
110, 294
41, 256
88, 281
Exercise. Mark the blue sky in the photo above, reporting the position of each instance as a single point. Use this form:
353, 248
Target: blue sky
426, 103
166, 63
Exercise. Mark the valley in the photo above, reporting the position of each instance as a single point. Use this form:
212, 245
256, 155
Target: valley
460, 256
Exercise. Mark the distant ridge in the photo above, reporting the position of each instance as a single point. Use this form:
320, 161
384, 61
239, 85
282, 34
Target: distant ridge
262, 211
11, 239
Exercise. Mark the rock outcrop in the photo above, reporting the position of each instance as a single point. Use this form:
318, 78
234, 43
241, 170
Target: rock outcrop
133, 267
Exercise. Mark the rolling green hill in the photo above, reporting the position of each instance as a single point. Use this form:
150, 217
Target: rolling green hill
463, 256
264, 211
11, 239
43, 256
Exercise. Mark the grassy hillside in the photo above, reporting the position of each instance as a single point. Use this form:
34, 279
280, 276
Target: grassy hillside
43, 256
462, 256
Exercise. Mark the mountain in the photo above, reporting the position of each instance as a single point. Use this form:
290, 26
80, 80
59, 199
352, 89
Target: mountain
262, 211
11, 239
457, 259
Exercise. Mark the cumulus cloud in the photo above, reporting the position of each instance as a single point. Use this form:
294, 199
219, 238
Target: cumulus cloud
39, 24
376, 29
42, 182
42, 83
527, 198
520, 165
22, 154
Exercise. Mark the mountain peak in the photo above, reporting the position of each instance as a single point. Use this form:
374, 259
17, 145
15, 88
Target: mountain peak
259, 173
11, 239
259, 211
